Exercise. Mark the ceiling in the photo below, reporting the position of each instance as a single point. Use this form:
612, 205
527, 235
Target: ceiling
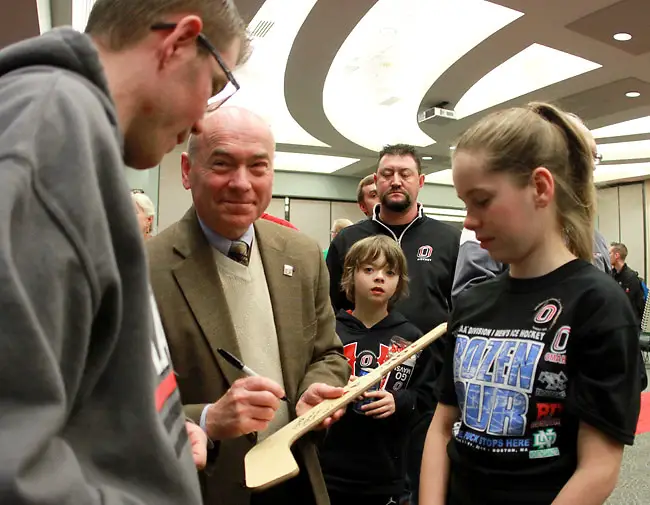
337, 79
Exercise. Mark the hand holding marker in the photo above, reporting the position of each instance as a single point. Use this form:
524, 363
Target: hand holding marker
240, 366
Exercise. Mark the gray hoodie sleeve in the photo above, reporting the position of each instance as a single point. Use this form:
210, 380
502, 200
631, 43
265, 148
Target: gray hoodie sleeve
474, 264
46, 297
72, 431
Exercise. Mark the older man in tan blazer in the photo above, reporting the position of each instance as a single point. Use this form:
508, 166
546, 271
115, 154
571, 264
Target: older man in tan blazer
224, 279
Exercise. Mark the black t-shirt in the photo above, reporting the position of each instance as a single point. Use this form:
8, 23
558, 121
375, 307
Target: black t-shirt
528, 359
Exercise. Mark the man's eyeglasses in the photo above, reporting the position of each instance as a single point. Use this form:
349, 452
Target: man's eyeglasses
137, 191
231, 87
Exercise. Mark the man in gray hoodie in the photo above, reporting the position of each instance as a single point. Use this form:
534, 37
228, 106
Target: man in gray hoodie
90, 412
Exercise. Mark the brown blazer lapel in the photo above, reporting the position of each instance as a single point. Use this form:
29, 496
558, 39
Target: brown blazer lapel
286, 300
199, 281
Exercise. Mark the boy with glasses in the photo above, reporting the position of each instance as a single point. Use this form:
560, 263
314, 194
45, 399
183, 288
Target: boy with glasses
90, 409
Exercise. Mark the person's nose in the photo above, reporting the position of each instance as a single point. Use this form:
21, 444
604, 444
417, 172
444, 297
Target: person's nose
471, 222
379, 276
396, 181
240, 180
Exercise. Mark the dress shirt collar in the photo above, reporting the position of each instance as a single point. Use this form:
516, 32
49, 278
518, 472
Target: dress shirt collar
221, 243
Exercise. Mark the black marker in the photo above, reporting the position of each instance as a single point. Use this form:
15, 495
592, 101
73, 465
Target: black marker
240, 366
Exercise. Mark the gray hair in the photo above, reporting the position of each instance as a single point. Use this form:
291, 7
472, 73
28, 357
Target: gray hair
145, 203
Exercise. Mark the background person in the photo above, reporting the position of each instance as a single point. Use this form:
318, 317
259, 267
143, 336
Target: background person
627, 278
431, 250
367, 196
145, 212
278, 220
337, 226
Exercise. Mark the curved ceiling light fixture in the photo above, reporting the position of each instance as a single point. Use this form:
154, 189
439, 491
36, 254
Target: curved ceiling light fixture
631, 127
620, 151
272, 31
314, 163
534, 68
389, 61
610, 173
440, 177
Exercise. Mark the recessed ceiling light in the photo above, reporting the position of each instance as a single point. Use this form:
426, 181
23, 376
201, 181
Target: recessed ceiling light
451, 148
632, 94
427, 158
622, 37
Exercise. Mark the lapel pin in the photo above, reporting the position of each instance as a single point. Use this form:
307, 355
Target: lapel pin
288, 270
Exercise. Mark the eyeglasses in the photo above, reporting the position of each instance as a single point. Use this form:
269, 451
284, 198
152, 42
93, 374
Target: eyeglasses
231, 87
598, 158
137, 191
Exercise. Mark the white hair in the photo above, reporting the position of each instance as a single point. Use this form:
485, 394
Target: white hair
145, 203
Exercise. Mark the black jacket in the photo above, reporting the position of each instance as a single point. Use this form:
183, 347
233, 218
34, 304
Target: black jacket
361, 454
629, 280
431, 249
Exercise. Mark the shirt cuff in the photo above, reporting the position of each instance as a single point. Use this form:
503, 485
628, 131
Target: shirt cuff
202, 422
204, 418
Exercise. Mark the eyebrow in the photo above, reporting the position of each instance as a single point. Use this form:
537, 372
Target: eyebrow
474, 191
222, 152
399, 168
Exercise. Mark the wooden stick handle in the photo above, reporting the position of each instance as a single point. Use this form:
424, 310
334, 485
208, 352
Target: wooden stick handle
284, 437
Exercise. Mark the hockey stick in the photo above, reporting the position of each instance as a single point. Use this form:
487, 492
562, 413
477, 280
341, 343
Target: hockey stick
271, 461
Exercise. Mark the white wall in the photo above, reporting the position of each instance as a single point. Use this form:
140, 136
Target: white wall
174, 199
621, 218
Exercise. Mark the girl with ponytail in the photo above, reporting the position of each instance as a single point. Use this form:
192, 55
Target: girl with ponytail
539, 392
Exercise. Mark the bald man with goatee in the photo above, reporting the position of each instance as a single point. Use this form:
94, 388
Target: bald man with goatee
223, 278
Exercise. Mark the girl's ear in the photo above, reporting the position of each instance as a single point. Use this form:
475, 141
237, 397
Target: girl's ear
544, 186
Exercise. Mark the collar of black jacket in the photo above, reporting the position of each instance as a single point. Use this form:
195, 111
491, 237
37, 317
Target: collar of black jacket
375, 215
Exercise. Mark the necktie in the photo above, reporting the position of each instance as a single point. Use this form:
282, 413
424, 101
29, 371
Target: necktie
239, 252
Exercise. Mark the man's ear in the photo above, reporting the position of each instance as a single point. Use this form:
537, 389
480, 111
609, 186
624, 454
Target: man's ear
181, 39
186, 165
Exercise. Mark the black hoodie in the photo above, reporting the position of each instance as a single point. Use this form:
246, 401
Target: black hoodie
431, 250
360, 454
